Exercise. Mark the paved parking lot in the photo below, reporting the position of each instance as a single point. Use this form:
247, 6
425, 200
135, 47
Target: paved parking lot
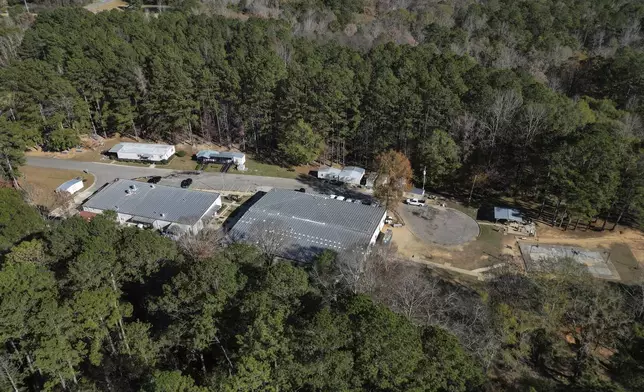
439, 225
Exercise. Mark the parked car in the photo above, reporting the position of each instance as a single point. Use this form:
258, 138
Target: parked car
154, 180
186, 183
332, 196
303, 190
340, 198
415, 202
349, 200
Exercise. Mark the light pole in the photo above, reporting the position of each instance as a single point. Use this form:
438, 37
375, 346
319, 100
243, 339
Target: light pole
424, 174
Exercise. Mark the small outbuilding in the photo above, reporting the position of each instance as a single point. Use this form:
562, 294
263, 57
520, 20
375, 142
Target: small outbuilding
71, 186
212, 156
142, 152
508, 215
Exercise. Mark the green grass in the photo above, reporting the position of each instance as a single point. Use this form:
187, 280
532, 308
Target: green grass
625, 263
469, 211
264, 169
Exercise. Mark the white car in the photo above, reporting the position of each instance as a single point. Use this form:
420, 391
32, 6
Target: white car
349, 200
340, 198
332, 196
414, 202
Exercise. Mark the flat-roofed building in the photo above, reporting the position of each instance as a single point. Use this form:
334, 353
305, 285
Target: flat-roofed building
302, 225
142, 152
166, 208
212, 156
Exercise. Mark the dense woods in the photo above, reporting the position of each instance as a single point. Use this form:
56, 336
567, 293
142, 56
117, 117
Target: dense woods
536, 98
539, 99
94, 306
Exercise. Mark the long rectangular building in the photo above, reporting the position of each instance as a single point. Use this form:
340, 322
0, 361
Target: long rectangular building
302, 225
142, 152
166, 208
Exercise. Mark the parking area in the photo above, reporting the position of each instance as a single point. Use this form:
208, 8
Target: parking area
439, 225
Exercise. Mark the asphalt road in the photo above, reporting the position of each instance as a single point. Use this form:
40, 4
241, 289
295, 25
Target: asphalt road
108, 172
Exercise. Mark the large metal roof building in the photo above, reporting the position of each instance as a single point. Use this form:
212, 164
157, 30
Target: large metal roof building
158, 206
302, 225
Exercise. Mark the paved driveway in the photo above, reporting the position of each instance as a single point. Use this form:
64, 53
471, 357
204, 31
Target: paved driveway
439, 225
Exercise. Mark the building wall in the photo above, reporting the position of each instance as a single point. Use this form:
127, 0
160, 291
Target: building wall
374, 237
153, 157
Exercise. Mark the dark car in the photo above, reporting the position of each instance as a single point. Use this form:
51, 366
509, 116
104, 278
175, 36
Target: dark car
154, 180
303, 190
186, 183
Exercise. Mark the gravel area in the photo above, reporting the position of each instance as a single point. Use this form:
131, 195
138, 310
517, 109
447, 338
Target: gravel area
439, 225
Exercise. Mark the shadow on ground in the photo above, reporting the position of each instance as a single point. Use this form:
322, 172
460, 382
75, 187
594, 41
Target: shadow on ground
327, 187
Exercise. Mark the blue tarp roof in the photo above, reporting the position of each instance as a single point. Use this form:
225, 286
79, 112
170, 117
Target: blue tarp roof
510, 214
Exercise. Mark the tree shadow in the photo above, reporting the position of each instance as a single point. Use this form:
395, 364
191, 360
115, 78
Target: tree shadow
327, 187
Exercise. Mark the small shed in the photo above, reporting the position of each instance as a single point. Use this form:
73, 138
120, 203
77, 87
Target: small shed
71, 186
508, 214
328, 173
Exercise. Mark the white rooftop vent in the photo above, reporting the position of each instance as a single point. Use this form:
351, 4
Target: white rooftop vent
133, 187
162, 215
152, 186
127, 191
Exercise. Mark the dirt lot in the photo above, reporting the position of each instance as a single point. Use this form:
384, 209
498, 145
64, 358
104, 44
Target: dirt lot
484, 251
41, 183
626, 247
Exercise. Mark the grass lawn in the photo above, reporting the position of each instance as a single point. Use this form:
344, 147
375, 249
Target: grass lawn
483, 252
625, 263
264, 169
41, 183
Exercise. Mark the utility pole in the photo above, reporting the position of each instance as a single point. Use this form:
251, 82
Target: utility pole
424, 175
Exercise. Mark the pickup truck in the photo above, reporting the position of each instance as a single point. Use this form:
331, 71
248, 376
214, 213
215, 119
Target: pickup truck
415, 202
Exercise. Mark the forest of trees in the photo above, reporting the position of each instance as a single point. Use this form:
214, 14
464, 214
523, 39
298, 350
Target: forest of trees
536, 98
94, 306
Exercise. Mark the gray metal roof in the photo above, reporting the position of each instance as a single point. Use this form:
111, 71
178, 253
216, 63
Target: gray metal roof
177, 205
303, 225
140, 148
510, 214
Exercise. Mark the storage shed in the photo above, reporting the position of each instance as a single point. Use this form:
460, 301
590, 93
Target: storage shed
71, 186
142, 152
507, 214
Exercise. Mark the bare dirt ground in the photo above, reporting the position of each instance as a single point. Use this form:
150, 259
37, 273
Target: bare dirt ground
105, 5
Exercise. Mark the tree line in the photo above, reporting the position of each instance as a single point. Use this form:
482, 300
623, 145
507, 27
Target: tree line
94, 306
569, 132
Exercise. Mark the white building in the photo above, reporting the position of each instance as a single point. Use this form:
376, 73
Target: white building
71, 186
351, 175
166, 208
328, 173
142, 152
208, 156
